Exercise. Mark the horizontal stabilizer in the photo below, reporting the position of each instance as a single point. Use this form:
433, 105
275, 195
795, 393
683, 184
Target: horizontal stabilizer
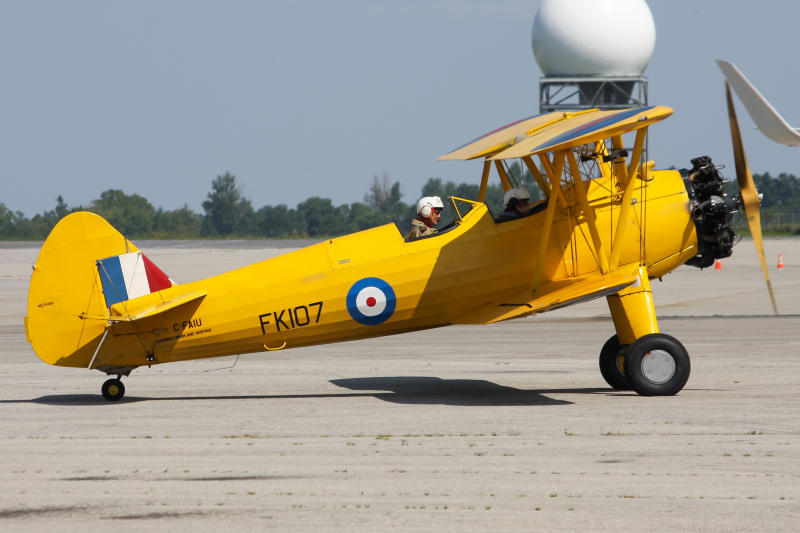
763, 114
548, 297
132, 314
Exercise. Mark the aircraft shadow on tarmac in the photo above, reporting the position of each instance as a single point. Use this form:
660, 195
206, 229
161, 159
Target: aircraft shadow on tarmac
431, 390
420, 390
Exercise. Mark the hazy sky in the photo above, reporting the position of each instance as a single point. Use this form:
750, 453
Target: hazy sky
309, 98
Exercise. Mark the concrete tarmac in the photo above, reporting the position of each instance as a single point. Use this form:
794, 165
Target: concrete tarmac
504, 427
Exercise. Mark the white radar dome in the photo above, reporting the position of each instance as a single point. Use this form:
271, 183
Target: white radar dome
593, 37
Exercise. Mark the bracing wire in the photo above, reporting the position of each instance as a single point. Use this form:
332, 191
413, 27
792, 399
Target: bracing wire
509, 173
223, 368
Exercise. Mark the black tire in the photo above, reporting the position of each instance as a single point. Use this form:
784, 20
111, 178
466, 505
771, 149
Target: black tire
657, 365
612, 365
113, 390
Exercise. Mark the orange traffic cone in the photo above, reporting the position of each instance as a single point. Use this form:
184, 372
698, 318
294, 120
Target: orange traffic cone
718, 265
780, 260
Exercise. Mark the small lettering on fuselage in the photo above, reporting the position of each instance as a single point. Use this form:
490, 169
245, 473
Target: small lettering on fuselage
193, 323
194, 333
291, 318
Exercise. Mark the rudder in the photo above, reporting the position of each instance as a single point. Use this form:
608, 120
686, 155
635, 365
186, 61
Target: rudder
67, 285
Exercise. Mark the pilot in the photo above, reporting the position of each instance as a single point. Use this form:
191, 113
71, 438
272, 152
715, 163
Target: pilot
429, 210
517, 206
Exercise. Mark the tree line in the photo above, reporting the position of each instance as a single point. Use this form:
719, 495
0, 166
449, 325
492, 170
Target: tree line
780, 196
228, 214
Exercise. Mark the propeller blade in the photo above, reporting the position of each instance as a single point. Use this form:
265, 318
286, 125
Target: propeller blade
750, 199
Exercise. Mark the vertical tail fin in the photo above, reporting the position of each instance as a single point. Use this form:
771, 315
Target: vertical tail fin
85, 266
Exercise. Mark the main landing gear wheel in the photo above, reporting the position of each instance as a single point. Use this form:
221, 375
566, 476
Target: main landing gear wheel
612, 361
657, 365
113, 390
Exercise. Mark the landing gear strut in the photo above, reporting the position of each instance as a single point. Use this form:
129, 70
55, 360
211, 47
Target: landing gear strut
113, 390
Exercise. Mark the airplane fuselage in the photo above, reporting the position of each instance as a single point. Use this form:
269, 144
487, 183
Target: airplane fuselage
309, 296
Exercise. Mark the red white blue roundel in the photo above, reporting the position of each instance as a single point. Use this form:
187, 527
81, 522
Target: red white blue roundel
371, 301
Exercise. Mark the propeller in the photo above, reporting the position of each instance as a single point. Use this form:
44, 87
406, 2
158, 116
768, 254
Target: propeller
749, 194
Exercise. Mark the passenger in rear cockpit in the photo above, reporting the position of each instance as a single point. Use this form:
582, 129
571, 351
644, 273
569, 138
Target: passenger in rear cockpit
517, 206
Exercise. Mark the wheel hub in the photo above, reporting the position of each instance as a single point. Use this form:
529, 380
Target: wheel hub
658, 366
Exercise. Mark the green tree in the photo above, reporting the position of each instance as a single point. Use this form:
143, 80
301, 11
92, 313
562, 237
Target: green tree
8, 222
322, 218
40, 226
280, 221
385, 198
227, 211
781, 192
362, 217
383, 195
61, 210
180, 223
133, 216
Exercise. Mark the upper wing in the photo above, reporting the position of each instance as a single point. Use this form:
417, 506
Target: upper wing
586, 128
499, 139
558, 131
764, 115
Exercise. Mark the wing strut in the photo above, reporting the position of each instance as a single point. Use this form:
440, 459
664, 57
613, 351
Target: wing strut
487, 167
555, 179
619, 162
537, 175
500, 170
588, 213
625, 207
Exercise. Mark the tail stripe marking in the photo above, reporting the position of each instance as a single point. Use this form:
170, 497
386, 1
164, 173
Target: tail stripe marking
123, 277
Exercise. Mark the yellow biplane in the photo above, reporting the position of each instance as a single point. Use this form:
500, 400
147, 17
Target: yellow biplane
607, 226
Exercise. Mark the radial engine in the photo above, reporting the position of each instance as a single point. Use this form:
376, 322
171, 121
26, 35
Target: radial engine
712, 211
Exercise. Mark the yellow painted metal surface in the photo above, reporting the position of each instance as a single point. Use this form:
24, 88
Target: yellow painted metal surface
633, 311
374, 283
65, 284
500, 138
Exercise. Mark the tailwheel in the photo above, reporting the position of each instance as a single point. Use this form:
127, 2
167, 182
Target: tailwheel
113, 390
612, 364
657, 365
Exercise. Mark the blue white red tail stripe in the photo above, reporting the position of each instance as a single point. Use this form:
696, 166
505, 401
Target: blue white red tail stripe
128, 276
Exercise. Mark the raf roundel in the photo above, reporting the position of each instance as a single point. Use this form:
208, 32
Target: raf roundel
371, 301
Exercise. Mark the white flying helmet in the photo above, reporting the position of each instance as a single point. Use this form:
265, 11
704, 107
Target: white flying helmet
520, 193
426, 205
